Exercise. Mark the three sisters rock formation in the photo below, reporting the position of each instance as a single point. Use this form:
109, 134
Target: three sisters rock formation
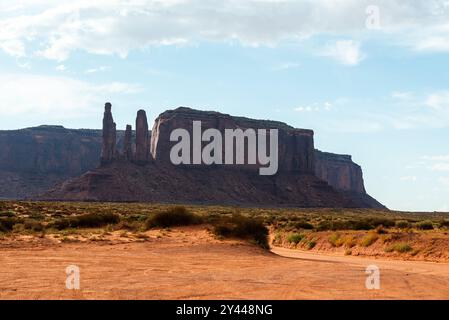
136, 166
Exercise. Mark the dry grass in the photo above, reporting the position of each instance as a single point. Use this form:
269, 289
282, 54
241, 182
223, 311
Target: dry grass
344, 228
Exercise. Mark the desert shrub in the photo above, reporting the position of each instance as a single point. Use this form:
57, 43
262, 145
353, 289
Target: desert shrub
7, 224
18, 227
403, 224
270, 219
60, 224
303, 225
424, 225
381, 230
8, 214
135, 217
369, 239
326, 225
89, 220
362, 224
385, 222
335, 240
33, 225
37, 216
391, 237
350, 241
242, 227
277, 237
128, 225
444, 224
94, 220
176, 216
401, 247
295, 238
311, 244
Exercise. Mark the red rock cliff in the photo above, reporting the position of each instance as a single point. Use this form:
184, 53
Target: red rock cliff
296, 149
339, 171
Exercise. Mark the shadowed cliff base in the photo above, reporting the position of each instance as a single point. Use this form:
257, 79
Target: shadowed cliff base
127, 182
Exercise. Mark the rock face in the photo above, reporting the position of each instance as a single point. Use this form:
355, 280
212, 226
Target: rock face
32, 160
35, 160
339, 171
127, 145
295, 184
344, 175
296, 149
142, 138
108, 152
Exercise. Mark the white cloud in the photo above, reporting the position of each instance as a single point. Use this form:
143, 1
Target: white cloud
61, 67
119, 87
53, 29
400, 95
409, 178
437, 163
99, 69
287, 66
13, 47
440, 166
438, 100
302, 109
411, 110
438, 44
55, 97
346, 52
314, 107
444, 181
437, 158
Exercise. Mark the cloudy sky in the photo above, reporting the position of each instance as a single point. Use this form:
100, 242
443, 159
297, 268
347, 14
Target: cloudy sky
370, 77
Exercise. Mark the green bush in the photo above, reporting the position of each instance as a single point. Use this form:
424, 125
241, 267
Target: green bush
362, 224
424, 225
334, 240
403, 224
176, 216
444, 224
242, 227
311, 244
8, 214
399, 247
60, 224
89, 220
295, 238
7, 224
129, 225
369, 239
34, 225
37, 216
381, 230
303, 225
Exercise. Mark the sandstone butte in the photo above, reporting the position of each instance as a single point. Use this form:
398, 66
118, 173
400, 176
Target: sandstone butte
136, 166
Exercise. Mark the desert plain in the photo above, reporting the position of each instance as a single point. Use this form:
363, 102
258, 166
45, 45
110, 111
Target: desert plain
127, 251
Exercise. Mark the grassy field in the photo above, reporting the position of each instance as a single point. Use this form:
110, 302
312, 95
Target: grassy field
348, 231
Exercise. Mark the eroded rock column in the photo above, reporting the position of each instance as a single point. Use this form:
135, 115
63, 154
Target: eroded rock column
108, 152
127, 146
142, 137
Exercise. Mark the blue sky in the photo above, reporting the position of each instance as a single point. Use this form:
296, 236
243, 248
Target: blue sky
376, 89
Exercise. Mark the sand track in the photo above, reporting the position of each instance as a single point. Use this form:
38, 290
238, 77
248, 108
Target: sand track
190, 264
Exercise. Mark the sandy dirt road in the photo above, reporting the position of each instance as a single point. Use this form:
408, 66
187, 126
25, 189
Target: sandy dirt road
190, 264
